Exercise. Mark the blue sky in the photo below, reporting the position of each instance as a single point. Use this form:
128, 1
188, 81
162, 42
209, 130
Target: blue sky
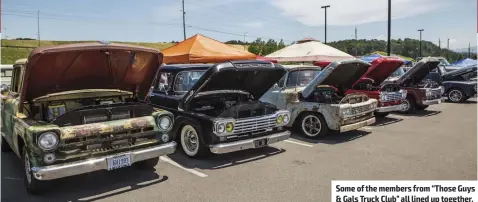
291, 20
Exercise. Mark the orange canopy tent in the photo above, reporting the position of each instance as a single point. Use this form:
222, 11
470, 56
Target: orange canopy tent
201, 49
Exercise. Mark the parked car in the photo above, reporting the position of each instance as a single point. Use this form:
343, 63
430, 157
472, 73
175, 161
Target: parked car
389, 95
317, 100
420, 93
459, 84
217, 107
75, 109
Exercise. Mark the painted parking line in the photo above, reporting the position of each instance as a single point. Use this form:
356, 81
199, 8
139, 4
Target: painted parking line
298, 143
367, 128
168, 160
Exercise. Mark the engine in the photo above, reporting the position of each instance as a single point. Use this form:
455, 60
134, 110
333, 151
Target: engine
324, 94
70, 112
231, 105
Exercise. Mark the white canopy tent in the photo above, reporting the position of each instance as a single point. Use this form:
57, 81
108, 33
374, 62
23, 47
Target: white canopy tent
309, 50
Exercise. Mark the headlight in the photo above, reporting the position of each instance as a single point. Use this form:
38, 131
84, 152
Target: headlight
164, 122
48, 141
229, 127
282, 118
347, 111
404, 94
442, 90
428, 93
286, 119
221, 128
224, 127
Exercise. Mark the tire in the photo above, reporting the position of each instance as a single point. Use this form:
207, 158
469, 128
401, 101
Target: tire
148, 164
5, 146
191, 143
456, 95
410, 105
308, 123
381, 114
32, 185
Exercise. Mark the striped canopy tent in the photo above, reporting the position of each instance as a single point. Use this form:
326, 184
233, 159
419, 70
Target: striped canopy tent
202, 49
465, 62
308, 50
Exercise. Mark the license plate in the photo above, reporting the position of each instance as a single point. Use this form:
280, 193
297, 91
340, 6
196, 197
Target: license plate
119, 161
260, 143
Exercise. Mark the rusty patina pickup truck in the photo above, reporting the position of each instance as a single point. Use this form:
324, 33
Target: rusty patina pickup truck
75, 109
317, 100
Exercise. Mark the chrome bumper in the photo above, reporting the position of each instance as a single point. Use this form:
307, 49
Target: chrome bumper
90, 165
248, 144
357, 125
389, 108
432, 102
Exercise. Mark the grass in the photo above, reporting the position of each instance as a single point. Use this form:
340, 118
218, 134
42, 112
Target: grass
10, 55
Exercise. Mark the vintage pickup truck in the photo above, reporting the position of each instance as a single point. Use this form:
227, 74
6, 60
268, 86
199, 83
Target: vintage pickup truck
317, 100
217, 107
389, 96
421, 92
459, 84
74, 109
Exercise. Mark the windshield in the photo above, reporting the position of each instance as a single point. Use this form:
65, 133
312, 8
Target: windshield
301, 77
444, 62
442, 68
398, 72
185, 80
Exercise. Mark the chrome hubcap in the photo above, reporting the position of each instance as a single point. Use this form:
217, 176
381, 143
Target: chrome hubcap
28, 170
311, 125
405, 105
455, 95
191, 140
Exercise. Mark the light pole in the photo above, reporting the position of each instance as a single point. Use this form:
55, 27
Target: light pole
421, 30
389, 26
325, 7
245, 33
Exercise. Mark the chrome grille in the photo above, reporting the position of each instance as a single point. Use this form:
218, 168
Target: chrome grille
255, 124
393, 96
360, 109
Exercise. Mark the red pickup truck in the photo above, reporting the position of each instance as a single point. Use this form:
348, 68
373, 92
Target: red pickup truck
389, 96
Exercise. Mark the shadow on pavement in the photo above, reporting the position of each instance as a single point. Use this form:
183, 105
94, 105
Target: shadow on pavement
333, 137
421, 113
386, 121
225, 160
86, 187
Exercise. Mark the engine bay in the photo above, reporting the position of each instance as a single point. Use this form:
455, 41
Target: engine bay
78, 111
231, 105
324, 94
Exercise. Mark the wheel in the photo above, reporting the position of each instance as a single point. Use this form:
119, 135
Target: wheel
313, 125
32, 185
191, 144
408, 105
381, 114
5, 146
456, 95
147, 164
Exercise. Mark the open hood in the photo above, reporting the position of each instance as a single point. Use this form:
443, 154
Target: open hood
416, 74
89, 66
254, 77
464, 70
382, 68
342, 75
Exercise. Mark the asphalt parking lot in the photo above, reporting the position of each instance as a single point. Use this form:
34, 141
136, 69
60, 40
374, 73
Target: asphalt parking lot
436, 144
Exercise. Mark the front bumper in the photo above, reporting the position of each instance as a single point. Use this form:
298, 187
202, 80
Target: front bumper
357, 125
432, 102
390, 108
90, 165
248, 144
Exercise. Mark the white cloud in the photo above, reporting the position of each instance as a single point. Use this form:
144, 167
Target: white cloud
254, 24
353, 12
